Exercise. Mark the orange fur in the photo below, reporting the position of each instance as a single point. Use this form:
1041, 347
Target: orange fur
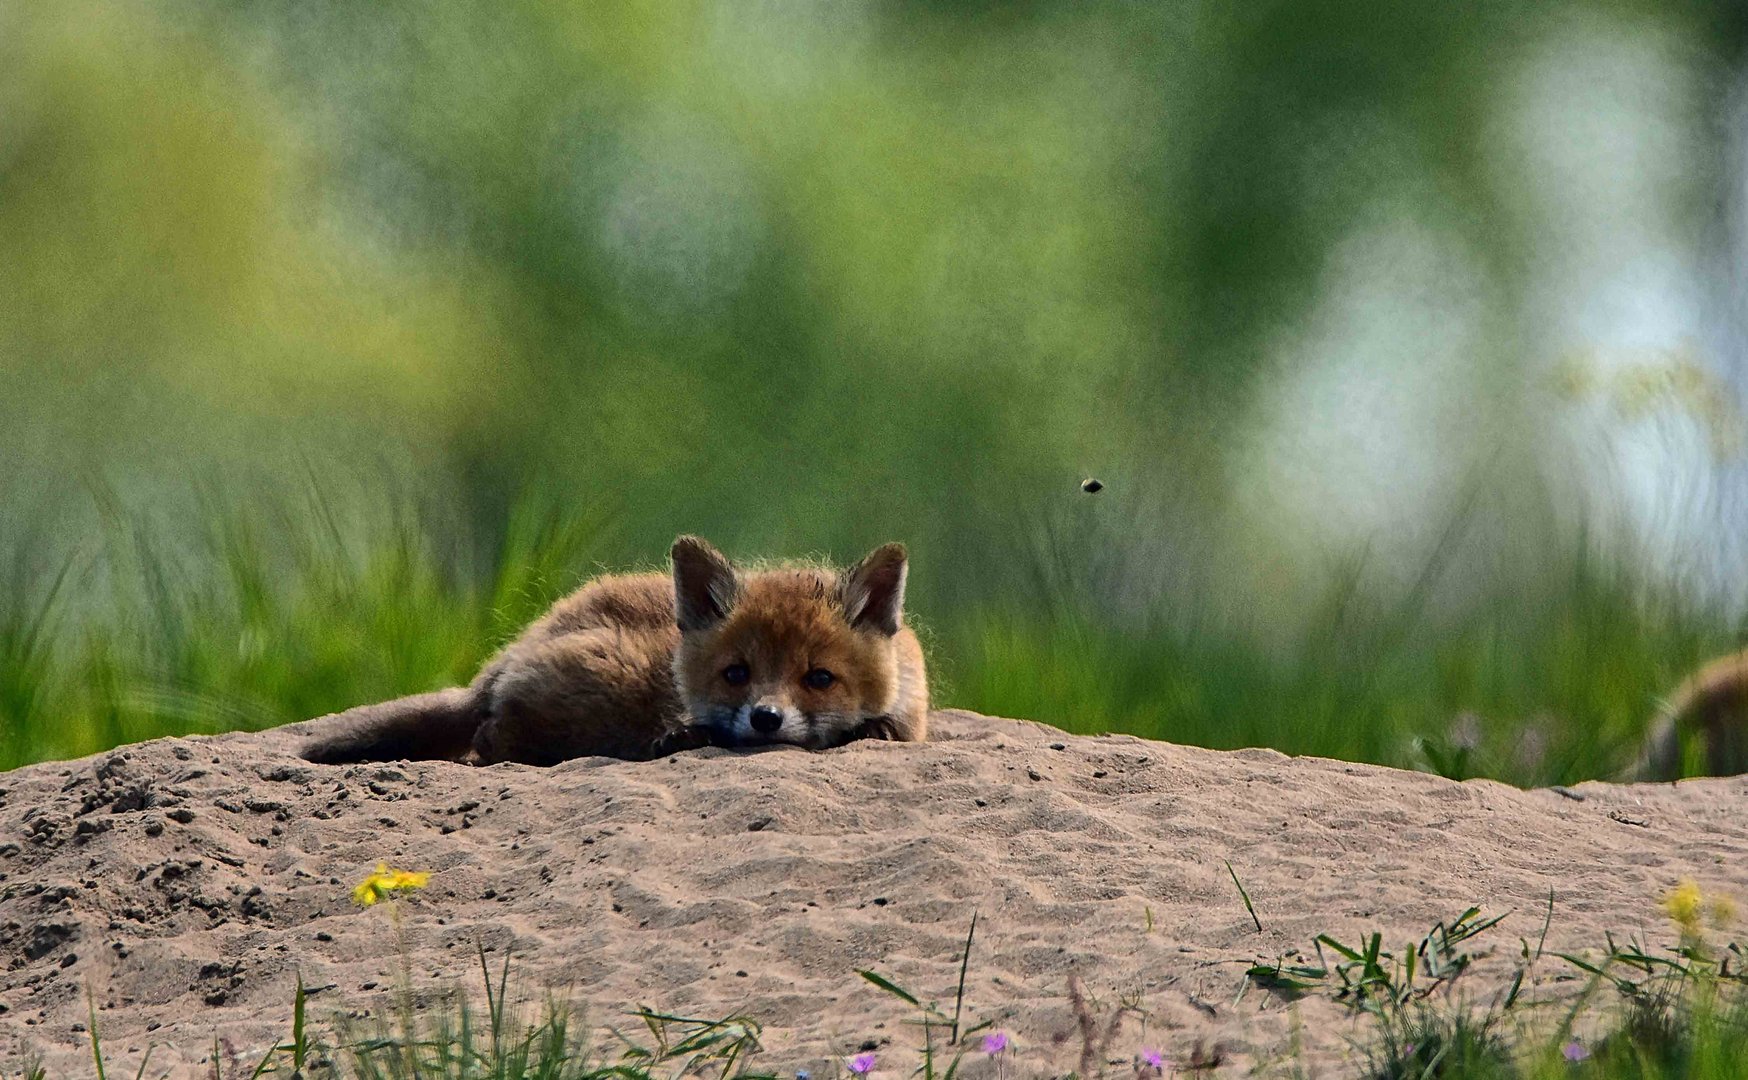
639, 665
1710, 706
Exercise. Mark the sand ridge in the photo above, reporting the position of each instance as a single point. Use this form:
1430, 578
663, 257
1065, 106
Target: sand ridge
187, 883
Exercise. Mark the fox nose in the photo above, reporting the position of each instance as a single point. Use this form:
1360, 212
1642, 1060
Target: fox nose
765, 719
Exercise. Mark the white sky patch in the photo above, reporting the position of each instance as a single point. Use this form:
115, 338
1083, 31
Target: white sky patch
1601, 136
1365, 436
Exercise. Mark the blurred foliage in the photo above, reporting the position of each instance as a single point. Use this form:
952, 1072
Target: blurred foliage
302, 306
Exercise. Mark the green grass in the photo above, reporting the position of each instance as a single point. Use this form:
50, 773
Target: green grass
1643, 1014
279, 611
1536, 676
452, 1039
268, 618
941, 1033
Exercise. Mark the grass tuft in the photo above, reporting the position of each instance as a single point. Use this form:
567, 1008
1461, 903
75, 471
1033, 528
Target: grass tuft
285, 608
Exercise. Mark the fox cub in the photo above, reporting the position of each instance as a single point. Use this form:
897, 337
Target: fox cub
1709, 708
642, 665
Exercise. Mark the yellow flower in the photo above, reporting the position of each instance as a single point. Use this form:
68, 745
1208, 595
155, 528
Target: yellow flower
385, 883
1684, 904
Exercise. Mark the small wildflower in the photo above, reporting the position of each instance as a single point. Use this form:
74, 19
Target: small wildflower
1722, 912
995, 1042
1575, 1051
1152, 1058
1684, 904
803, 1074
385, 883
862, 1064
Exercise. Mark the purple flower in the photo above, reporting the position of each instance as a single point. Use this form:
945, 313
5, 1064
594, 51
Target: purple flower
1575, 1051
862, 1064
995, 1042
1152, 1057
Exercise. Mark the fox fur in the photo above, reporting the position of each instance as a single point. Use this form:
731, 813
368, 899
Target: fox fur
638, 666
1710, 707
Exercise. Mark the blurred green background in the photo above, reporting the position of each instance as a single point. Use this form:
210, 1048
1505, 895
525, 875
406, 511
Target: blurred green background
336, 339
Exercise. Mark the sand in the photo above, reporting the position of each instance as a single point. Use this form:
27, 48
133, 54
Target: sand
185, 883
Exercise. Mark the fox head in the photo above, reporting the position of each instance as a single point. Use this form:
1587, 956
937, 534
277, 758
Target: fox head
794, 655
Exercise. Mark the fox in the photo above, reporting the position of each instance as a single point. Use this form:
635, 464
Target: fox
641, 666
1711, 706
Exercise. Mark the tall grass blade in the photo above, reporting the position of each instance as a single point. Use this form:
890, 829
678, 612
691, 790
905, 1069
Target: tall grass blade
890, 987
1248, 906
96, 1041
964, 965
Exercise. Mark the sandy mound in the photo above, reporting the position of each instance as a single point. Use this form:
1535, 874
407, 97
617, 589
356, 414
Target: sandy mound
186, 882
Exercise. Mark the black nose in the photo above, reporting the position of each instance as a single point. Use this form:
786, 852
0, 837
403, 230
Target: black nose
766, 719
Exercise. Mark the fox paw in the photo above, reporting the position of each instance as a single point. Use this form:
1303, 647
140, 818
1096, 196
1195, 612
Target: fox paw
690, 737
880, 727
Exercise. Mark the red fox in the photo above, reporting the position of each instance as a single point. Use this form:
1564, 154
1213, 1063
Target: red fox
1710, 705
639, 666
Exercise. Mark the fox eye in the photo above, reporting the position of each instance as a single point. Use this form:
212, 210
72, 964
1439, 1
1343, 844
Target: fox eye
735, 674
819, 678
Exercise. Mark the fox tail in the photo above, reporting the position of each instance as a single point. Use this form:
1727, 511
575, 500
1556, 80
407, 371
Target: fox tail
1713, 712
437, 725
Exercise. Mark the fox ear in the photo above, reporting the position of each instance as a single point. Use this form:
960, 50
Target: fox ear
873, 589
705, 585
